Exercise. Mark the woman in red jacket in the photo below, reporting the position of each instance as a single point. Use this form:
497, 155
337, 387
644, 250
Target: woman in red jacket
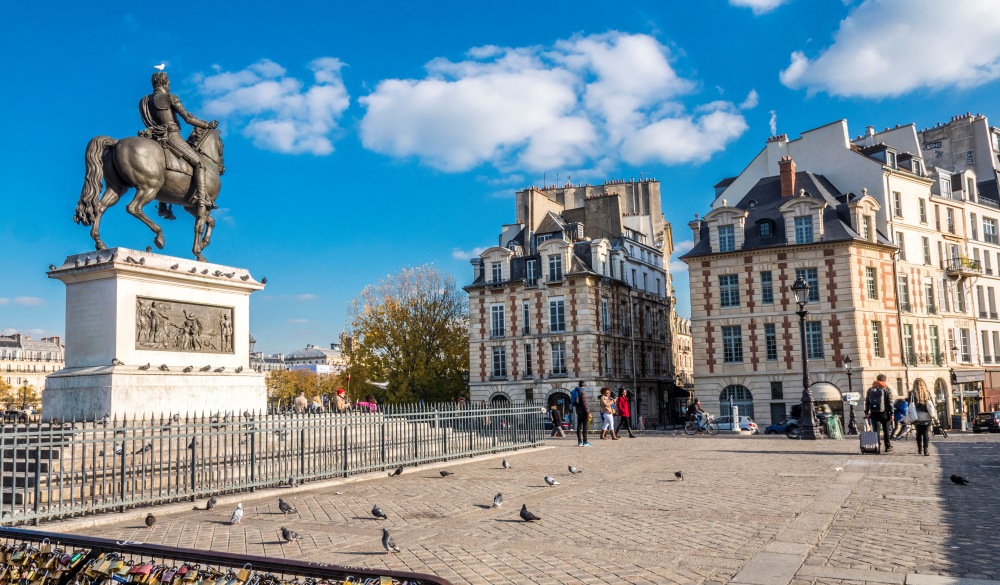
624, 412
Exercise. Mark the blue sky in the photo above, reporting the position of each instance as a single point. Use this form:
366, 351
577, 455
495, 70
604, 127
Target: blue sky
362, 138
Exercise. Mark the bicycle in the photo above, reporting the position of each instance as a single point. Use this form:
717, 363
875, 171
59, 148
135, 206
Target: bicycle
692, 427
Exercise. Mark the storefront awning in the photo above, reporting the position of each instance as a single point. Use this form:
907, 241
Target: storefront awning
965, 376
825, 392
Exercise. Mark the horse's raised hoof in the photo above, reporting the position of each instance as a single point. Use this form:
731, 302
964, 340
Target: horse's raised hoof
200, 258
158, 241
100, 246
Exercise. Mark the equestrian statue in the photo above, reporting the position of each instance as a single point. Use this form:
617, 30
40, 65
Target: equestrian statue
160, 165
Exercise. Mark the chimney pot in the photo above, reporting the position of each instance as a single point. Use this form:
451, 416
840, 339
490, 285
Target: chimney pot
786, 173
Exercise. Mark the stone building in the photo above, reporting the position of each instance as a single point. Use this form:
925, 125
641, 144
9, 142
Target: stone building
26, 362
576, 289
317, 359
856, 220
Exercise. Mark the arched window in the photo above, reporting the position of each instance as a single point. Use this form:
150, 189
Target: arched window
499, 400
741, 398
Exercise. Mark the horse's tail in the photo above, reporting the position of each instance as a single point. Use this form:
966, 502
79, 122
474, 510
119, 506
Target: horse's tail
86, 208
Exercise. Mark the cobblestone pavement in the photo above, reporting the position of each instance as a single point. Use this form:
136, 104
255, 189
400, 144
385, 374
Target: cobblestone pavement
760, 510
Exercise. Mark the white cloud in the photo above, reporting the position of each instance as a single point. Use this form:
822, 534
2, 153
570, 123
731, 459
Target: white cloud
572, 105
751, 100
758, 6
890, 47
683, 247
23, 301
278, 112
684, 139
306, 297
458, 254
678, 266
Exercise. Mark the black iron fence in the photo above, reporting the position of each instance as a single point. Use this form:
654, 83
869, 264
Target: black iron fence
76, 468
28, 556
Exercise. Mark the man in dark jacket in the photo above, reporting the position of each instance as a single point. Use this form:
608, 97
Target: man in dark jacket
579, 397
878, 408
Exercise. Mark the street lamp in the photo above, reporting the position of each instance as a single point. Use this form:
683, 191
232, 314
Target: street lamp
807, 423
852, 426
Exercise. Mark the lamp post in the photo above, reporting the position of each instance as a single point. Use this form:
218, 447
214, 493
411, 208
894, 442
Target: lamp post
807, 423
961, 389
852, 426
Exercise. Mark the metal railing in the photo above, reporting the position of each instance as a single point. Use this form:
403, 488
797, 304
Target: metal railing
70, 469
83, 554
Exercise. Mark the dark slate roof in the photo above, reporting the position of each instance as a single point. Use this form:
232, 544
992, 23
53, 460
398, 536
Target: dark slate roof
762, 202
550, 224
725, 182
988, 190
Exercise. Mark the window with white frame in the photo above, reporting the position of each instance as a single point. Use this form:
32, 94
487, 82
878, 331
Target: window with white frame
901, 242
729, 292
531, 272
559, 357
814, 340
877, 338
911, 354
605, 316
770, 342
990, 230
804, 229
866, 227
926, 244
897, 204
871, 282
528, 371
499, 362
732, 344
922, 206
496, 271
727, 238
965, 344
496, 321
766, 288
555, 268
557, 315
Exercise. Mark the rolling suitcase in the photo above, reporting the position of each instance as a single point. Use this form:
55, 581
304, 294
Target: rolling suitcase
869, 440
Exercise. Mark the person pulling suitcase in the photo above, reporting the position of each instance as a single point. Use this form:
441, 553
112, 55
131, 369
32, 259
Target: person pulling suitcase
878, 409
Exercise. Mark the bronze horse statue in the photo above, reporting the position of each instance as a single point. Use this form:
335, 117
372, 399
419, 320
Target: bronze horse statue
142, 163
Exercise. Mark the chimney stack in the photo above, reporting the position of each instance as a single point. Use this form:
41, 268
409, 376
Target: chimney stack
786, 167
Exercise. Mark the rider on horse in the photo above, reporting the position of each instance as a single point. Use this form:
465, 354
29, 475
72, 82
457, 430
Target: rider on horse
159, 111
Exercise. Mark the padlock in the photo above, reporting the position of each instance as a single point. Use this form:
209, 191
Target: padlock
244, 573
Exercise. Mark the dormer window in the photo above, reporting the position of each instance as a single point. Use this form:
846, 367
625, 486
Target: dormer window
555, 268
890, 159
496, 272
727, 238
804, 229
866, 227
765, 229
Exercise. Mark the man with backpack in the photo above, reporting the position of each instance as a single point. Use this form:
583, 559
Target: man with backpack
878, 408
578, 398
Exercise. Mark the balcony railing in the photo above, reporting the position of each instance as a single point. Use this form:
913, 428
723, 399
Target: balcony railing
905, 307
924, 359
963, 266
932, 310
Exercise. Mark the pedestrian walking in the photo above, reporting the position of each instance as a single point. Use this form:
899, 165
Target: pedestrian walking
926, 413
301, 403
607, 414
340, 403
578, 397
899, 418
878, 408
317, 405
624, 412
556, 417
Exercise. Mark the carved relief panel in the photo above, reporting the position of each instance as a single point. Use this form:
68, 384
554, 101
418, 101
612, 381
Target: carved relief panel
179, 326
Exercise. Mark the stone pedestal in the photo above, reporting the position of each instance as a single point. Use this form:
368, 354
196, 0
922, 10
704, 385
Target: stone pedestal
153, 334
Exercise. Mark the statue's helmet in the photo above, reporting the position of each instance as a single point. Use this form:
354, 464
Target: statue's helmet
160, 79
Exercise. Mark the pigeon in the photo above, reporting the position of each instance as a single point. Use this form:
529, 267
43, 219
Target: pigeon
119, 449
959, 480
504, 464
229, 274
175, 266
551, 481
211, 503
574, 470
388, 543
86, 261
150, 520
399, 471
446, 473
143, 259
237, 515
238, 370
77, 262
160, 66
293, 481
193, 270
52, 266
193, 444
206, 368
164, 368
149, 249
263, 280
217, 273
245, 277
145, 367
378, 513
679, 475
285, 507
145, 449
205, 271
219, 369
526, 515
497, 500
289, 535
117, 362
131, 260
188, 369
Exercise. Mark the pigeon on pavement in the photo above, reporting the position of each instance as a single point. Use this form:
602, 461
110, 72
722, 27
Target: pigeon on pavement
388, 543
293, 481
446, 473
378, 513
237, 515
551, 481
498, 500
145, 449
145, 367
959, 480
526, 515
574, 470
285, 507
505, 464
289, 535
150, 520
679, 475
211, 503
399, 471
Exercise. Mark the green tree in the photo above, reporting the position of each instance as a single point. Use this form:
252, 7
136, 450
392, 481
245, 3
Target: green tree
8, 396
411, 330
27, 396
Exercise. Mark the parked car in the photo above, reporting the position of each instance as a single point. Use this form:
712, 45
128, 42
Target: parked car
746, 424
986, 422
782, 427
